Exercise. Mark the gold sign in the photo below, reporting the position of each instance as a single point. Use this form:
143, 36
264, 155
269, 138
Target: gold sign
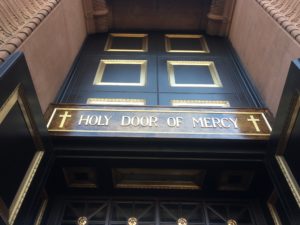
158, 122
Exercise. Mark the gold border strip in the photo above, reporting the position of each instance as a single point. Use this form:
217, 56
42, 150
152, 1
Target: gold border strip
283, 142
42, 209
200, 103
109, 42
24, 187
17, 97
159, 186
291, 180
8, 104
159, 132
156, 110
116, 101
104, 62
210, 64
203, 43
273, 211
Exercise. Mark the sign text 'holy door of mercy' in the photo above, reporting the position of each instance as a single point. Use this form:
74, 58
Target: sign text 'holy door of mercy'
159, 122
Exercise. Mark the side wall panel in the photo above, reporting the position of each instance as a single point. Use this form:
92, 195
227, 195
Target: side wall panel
265, 48
52, 47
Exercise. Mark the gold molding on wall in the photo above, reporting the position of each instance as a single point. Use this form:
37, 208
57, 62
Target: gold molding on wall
288, 175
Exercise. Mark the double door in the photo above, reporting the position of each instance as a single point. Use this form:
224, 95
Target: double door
158, 69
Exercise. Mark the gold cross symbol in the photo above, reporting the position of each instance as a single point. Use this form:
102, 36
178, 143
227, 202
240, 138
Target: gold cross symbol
254, 121
64, 118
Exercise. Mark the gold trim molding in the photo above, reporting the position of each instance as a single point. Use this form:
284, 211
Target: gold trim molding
42, 209
111, 36
116, 101
271, 206
294, 186
200, 103
212, 69
283, 142
170, 49
17, 97
101, 70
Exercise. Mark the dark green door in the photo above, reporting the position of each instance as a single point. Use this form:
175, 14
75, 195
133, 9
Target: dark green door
158, 69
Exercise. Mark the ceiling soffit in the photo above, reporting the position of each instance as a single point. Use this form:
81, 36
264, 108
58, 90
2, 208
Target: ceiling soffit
214, 16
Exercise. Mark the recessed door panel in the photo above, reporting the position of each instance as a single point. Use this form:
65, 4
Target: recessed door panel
187, 44
116, 73
195, 75
121, 42
125, 43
